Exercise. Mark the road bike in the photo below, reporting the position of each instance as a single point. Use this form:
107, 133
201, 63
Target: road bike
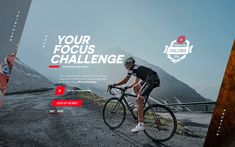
160, 122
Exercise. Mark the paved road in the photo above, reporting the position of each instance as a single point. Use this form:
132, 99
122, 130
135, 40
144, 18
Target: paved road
25, 121
197, 122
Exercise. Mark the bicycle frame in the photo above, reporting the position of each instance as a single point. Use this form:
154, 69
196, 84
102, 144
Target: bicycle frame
123, 98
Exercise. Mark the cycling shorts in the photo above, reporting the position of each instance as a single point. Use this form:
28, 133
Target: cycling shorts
152, 81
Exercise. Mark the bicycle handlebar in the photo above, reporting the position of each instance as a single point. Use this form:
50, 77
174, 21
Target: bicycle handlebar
119, 88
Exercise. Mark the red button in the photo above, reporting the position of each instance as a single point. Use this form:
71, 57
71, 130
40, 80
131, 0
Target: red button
59, 91
63, 103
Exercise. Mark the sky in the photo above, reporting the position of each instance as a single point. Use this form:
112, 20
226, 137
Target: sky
142, 28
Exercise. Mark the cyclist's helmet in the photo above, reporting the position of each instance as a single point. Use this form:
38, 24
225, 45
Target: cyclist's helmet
129, 60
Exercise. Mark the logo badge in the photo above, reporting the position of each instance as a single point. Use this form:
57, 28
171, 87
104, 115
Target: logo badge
178, 49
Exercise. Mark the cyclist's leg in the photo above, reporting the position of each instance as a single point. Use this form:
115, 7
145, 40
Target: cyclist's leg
140, 102
136, 88
140, 110
145, 90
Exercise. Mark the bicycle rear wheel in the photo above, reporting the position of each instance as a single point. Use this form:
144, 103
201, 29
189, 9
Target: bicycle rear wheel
160, 123
114, 113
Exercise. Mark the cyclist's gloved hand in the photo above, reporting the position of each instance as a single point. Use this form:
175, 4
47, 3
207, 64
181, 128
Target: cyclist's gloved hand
126, 87
112, 85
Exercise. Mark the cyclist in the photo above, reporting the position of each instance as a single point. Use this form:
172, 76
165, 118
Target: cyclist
149, 80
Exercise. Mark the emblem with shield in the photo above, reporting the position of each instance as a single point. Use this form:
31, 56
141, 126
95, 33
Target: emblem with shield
178, 49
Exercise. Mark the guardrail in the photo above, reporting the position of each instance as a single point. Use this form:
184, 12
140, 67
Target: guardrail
192, 104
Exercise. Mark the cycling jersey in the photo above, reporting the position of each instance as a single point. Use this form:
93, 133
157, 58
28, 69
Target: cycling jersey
149, 78
141, 72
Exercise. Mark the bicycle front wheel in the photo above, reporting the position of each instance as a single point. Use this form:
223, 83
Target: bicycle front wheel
160, 123
114, 113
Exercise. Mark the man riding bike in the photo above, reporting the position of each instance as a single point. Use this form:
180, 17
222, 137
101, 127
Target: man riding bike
149, 80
